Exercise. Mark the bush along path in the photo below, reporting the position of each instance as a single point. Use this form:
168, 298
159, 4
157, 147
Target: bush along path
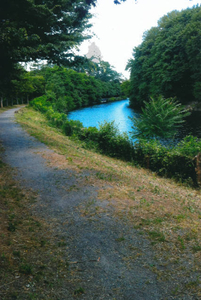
107, 230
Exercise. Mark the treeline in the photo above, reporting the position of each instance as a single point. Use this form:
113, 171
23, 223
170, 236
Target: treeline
42, 30
65, 89
24, 87
168, 61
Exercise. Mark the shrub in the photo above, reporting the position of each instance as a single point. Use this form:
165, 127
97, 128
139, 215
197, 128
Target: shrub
113, 143
189, 146
160, 118
56, 118
41, 104
89, 134
165, 161
72, 127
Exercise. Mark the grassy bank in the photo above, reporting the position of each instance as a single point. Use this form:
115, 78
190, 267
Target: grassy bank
33, 262
165, 212
178, 162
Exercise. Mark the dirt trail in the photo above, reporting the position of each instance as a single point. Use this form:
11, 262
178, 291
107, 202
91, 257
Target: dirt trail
111, 258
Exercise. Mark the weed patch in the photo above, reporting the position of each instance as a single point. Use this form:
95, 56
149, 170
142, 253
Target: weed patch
156, 236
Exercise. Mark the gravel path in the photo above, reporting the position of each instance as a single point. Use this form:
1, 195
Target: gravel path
107, 267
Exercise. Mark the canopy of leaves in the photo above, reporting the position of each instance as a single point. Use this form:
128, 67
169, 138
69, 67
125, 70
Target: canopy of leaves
40, 29
168, 60
101, 70
161, 118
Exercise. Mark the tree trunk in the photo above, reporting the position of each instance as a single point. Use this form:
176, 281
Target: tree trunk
7, 102
17, 100
12, 102
1, 102
22, 101
27, 99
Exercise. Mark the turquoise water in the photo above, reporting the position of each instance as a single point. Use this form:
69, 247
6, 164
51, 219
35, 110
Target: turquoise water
118, 112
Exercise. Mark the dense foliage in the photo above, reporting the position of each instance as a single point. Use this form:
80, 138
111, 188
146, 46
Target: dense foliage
66, 89
100, 70
33, 30
177, 162
160, 119
168, 60
39, 29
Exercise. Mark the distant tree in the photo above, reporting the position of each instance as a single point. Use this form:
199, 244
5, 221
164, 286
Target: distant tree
67, 89
125, 88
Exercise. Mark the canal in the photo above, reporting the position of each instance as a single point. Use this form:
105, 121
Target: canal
119, 112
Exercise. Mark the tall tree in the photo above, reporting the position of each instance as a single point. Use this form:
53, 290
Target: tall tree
40, 29
168, 60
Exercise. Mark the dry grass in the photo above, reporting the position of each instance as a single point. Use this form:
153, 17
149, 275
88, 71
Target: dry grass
167, 213
33, 263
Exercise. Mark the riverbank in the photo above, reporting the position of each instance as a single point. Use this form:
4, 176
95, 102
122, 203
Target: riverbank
161, 211
111, 220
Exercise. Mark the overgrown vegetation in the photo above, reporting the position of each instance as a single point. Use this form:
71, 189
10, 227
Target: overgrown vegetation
177, 162
66, 89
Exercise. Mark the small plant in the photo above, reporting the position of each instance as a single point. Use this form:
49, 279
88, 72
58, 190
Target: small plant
180, 217
25, 269
62, 244
157, 221
16, 253
43, 243
100, 175
79, 291
157, 236
120, 239
11, 227
193, 283
181, 242
196, 248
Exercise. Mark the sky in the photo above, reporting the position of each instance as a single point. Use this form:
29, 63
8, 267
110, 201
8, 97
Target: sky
119, 28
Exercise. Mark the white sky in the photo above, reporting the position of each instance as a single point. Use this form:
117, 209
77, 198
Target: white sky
119, 28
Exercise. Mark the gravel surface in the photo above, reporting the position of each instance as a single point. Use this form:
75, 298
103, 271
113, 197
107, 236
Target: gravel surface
108, 259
